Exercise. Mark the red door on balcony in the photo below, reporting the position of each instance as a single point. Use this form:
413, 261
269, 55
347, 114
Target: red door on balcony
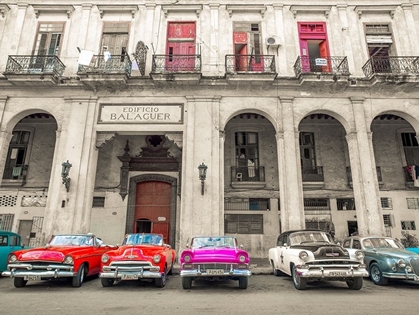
248, 55
180, 46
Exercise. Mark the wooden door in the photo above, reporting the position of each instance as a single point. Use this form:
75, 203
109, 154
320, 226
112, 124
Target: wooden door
180, 47
24, 231
304, 56
323, 52
153, 202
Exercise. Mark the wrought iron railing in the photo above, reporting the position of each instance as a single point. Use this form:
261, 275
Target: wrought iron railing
176, 63
49, 64
117, 64
250, 63
245, 204
332, 65
15, 172
313, 174
247, 174
408, 175
391, 65
350, 179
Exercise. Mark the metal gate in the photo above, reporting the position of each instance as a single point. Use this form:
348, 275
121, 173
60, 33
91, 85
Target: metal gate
6, 221
36, 232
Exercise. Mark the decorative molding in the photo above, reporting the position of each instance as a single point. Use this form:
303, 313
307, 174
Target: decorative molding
311, 9
56, 8
103, 137
390, 9
117, 8
246, 8
3, 9
176, 138
182, 8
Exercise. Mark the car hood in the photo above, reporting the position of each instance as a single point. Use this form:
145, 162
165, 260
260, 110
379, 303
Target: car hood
134, 252
53, 253
394, 253
217, 254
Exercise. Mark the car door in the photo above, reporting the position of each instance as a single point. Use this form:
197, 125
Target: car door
284, 250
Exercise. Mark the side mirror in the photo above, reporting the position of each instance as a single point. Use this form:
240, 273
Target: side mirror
187, 246
241, 246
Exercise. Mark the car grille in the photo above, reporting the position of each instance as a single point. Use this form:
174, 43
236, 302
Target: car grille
130, 264
225, 267
326, 252
415, 266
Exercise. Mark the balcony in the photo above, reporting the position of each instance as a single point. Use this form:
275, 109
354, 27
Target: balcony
177, 69
110, 73
325, 69
378, 174
313, 177
250, 67
15, 175
34, 70
409, 179
386, 68
247, 177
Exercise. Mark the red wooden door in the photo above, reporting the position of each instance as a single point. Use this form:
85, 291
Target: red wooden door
324, 53
153, 202
304, 56
180, 46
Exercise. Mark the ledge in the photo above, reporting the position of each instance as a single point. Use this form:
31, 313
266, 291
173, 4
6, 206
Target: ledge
55, 8
248, 185
182, 8
246, 8
390, 9
3, 9
117, 8
311, 9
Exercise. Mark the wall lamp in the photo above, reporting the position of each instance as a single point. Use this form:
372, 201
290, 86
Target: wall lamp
202, 170
65, 174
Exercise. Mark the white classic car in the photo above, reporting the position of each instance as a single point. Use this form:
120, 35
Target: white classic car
310, 255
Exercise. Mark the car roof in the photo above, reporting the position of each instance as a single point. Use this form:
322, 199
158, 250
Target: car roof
302, 230
8, 233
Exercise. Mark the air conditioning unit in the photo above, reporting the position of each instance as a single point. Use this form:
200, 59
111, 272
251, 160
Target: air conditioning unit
273, 41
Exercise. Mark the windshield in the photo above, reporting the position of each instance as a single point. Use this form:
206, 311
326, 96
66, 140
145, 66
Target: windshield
72, 240
143, 239
381, 242
222, 241
308, 237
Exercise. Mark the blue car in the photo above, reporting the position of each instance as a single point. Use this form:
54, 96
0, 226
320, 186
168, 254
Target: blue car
385, 258
9, 242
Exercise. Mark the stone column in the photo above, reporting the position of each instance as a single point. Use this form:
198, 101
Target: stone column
412, 29
345, 36
213, 48
5, 136
364, 176
282, 63
70, 211
290, 176
83, 29
17, 31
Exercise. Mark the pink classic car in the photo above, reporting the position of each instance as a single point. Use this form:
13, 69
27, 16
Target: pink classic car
214, 258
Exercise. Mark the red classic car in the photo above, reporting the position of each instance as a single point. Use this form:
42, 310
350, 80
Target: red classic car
140, 257
65, 255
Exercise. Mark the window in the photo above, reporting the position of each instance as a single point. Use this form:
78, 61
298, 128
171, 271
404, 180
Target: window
15, 163
247, 46
48, 39
411, 148
386, 203
115, 39
3, 240
14, 240
246, 146
307, 150
379, 39
413, 203
244, 224
408, 225
244, 204
98, 202
388, 220
6, 222
346, 204
315, 224
316, 204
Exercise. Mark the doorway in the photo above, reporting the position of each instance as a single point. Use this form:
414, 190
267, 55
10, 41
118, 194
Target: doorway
143, 226
352, 227
25, 227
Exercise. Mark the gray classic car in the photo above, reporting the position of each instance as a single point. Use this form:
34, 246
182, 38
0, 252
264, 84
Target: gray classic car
385, 258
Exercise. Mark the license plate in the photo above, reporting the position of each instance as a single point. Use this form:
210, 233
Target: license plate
215, 272
129, 277
337, 274
32, 278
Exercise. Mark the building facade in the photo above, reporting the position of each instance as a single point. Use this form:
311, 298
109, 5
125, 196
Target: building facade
195, 118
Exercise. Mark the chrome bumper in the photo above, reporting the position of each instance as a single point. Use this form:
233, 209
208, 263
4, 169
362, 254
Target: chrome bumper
44, 271
402, 276
203, 273
119, 272
332, 272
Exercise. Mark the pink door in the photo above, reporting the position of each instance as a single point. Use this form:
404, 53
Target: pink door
180, 47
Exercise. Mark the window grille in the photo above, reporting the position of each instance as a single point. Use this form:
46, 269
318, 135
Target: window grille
316, 204
6, 221
386, 203
245, 204
388, 220
244, 224
346, 204
413, 203
98, 202
408, 225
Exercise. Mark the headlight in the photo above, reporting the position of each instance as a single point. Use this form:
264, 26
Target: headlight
156, 258
104, 258
359, 255
401, 263
12, 258
303, 255
68, 260
187, 258
242, 258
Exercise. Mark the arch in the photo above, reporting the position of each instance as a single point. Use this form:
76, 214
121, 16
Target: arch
131, 206
9, 125
407, 117
247, 111
346, 125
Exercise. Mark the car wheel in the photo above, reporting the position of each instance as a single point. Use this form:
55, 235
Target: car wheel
171, 271
243, 282
276, 272
376, 275
107, 282
186, 283
298, 282
78, 279
355, 283
19, 282
160, 282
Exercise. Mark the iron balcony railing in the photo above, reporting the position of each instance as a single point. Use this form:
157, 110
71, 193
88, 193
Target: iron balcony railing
350, 179
250, 63
116, 64
49, 64
247, 174
332, 65
391, 65
176, 63
313, 174
408, 175
15, 172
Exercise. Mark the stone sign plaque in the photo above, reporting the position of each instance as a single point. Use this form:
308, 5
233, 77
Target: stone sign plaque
141, 114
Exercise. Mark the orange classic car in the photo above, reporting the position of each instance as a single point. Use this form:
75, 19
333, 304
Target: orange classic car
141, 257
65, 255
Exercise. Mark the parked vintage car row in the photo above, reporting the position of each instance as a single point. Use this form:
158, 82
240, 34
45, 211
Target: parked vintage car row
305, 255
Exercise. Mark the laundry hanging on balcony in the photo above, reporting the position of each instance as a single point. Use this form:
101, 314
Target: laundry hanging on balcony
251, 168
413, 171
107, 55
85, 57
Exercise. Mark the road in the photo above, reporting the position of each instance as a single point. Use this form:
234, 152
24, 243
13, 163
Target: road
266, 294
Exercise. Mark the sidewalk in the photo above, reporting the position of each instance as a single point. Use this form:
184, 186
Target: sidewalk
258, 266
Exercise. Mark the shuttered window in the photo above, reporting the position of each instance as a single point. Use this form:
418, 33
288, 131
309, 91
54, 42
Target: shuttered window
244, 224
